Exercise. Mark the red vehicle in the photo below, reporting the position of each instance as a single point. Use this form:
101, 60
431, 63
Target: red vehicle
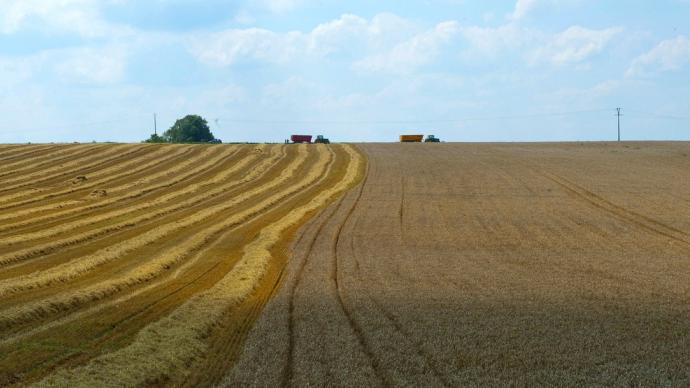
300, 138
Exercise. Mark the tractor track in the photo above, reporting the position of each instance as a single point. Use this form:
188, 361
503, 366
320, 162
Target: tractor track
629, 216
340, 292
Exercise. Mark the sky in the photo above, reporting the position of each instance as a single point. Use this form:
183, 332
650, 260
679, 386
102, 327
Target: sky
260, 70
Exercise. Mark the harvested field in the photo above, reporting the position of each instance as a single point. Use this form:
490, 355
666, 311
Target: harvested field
489, 264
142, 264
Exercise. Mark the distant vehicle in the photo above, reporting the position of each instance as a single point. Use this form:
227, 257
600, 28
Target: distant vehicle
431, 139
321, 140
215, 141
411, 138
300, 138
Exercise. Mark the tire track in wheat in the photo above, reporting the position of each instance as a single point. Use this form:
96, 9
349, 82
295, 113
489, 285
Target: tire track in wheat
340, 292
643, 222
288, 373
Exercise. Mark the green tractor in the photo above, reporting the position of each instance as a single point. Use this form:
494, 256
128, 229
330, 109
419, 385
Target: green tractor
431, 139
321, 140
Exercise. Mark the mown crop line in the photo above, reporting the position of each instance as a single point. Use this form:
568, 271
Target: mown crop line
70, 226
91, 183
33, 149
25, 213
78, 315
105, 201
118, 166
217, 234
181, 336
161, 263
34, 192
83, 265
45, 249
44, 175
28, 164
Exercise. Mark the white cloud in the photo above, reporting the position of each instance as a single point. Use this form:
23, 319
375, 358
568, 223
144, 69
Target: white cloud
413, 53
279, 6
103, 65
575, 45
494, 41
346, 34
522, 8
231, 46
671, 54
74, 16
84, 65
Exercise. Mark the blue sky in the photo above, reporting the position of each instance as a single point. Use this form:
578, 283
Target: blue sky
259, 70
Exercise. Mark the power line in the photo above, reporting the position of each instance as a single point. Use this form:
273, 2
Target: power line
430, 121
659, 116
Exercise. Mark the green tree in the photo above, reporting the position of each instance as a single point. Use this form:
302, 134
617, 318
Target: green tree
189, 129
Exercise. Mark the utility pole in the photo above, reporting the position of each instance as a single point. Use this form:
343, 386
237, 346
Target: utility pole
619, 122
155, 127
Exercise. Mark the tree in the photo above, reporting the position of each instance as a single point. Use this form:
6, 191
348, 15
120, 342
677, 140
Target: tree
189, 129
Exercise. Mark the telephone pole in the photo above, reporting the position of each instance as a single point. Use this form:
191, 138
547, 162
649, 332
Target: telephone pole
619, 122
155, 127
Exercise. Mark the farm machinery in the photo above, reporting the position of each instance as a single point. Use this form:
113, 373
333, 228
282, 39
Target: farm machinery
418, 139
322, 140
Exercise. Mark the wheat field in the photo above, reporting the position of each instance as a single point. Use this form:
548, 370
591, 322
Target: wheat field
489, 265
136, 264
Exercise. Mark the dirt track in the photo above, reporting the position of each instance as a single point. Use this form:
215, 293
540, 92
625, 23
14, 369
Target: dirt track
489, 264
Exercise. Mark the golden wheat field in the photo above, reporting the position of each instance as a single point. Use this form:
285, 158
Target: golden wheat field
563, 264
125, 264
489, 265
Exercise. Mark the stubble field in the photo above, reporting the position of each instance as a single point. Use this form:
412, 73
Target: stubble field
489, 265
125, 264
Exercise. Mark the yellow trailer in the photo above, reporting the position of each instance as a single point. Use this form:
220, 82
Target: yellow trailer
411, 138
